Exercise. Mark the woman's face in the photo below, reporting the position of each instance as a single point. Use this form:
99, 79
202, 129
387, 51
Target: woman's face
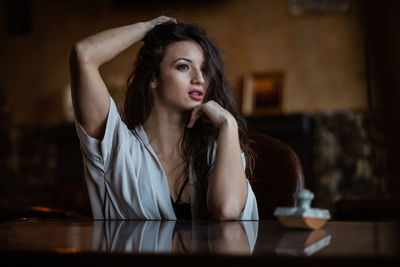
182, 84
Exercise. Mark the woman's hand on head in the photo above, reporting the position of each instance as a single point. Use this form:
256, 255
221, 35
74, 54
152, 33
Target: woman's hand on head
211, 112
159, 20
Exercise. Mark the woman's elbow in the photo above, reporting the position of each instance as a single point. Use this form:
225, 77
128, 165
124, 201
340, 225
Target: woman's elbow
80, 54
226, 212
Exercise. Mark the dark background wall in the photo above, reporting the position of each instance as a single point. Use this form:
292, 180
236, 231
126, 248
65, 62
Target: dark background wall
322, 56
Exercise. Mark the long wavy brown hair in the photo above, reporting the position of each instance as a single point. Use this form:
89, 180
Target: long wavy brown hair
197, 141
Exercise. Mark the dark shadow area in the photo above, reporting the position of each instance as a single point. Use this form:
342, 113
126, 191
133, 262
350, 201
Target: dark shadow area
42, 167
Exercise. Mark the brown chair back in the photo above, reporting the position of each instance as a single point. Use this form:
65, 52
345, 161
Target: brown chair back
278, 174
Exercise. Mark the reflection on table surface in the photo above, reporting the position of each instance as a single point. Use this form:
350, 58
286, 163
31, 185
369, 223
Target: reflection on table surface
199, 237
234, 237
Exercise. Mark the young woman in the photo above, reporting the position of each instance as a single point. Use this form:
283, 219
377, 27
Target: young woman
181, 151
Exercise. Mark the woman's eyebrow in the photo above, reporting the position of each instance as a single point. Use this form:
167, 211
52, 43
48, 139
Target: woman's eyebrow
182, 58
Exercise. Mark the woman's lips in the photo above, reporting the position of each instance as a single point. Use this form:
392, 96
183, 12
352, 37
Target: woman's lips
196, 94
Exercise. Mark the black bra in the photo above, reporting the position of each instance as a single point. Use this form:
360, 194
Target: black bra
182, 211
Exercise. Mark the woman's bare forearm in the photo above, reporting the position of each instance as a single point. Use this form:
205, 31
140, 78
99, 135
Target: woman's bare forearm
227, 186
104, 46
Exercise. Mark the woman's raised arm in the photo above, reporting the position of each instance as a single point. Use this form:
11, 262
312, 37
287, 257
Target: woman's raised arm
90, 96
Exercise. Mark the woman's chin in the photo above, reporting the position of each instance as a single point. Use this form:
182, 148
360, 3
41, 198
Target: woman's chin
191, 106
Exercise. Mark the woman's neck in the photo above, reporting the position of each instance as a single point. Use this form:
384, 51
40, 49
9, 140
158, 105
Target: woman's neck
165, 130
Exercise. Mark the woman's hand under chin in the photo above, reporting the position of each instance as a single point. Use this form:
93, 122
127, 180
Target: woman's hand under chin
211, 112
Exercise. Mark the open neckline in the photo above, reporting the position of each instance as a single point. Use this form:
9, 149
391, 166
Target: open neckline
143, 135
178, 199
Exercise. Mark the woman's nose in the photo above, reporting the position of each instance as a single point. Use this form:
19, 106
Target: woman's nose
198, 77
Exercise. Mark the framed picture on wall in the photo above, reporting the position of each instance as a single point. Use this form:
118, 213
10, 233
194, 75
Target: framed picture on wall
262, 93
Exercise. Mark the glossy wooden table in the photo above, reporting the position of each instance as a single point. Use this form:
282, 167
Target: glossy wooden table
171, 243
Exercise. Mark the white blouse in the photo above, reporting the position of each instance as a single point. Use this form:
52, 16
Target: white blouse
126, 180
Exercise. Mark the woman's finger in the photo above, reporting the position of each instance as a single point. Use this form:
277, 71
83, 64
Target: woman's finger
205, 118
195, 115
163, 19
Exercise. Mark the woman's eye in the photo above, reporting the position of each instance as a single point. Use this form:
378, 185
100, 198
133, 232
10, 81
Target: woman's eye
183, 67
